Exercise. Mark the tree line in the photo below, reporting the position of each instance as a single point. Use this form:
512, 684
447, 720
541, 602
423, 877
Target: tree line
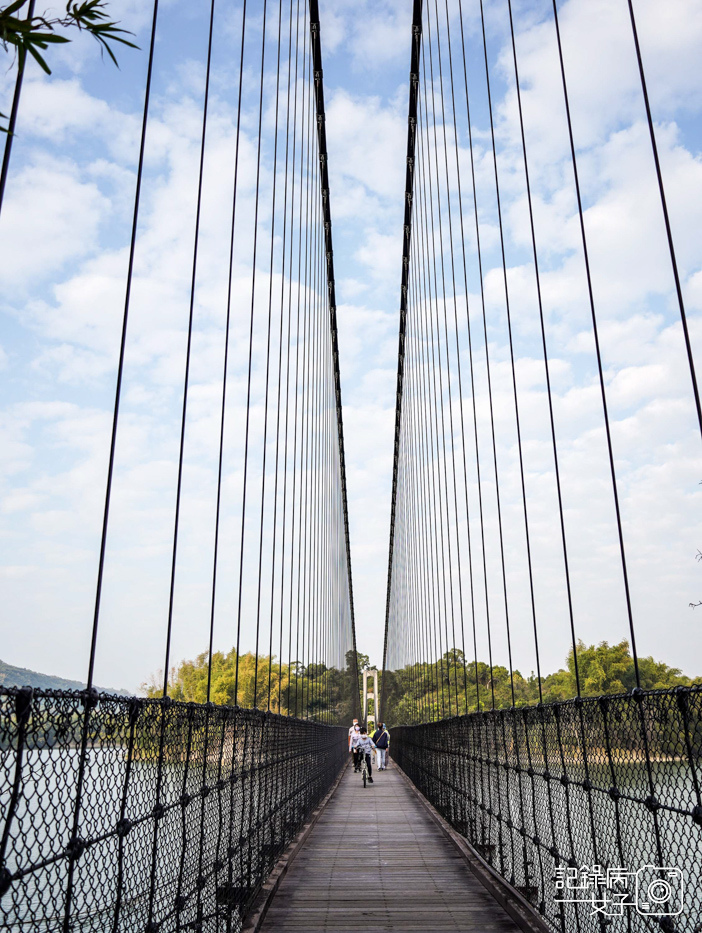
454, 685
422, 691
312, 691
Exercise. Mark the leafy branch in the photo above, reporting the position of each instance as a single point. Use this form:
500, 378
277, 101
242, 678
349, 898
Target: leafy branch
32, 35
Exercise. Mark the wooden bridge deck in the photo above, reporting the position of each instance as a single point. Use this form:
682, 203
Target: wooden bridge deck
376, 861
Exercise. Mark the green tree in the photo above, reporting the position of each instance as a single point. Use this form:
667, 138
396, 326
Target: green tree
27, 34
24, 33
423, 691
606, 669
315, 692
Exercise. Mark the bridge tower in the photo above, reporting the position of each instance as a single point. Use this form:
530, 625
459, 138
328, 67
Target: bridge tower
371, 719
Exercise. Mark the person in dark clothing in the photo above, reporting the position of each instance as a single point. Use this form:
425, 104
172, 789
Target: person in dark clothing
381, 738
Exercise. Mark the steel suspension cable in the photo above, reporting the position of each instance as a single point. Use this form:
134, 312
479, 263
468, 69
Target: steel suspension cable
113, 445
413, 338
268, 362
515, 396
179, 483
308, 437
225, 363
304, 412
459, 368
598, 353
250, 362
297, 365
666, 217
448, 370
488, 370
547, 371
407, 232
458, 357
470, 354
414, 421
429, 424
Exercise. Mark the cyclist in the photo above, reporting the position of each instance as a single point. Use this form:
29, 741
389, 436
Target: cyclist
365, 745
354, 735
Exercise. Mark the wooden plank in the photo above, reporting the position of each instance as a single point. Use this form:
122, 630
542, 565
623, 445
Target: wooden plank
375, 859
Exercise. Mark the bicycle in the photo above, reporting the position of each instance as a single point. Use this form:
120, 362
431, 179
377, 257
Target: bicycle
365, 773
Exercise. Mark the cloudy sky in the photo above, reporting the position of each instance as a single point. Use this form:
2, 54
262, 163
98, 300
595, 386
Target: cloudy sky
63, 235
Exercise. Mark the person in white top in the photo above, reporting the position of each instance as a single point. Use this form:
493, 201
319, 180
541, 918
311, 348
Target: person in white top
363, 744
354, 731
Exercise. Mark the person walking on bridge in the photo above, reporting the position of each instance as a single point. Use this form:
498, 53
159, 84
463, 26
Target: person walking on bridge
381, 737
354, 732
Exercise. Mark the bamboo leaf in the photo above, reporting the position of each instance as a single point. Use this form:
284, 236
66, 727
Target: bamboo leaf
28, 35
12, 8
38, 58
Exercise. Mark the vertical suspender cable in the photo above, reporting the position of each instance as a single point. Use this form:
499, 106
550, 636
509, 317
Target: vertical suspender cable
248, 382
331, 302
279, 400
179, 484
470, 354
458, 364
110, 467
406, 242
664, 207
547, 370
448, 369
595, 332
225, 363
268, 365
287, 364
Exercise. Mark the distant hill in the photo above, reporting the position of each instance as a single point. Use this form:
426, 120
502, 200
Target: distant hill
11, 676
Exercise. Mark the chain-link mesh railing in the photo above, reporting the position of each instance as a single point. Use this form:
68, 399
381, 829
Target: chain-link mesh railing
183, 812
590, 808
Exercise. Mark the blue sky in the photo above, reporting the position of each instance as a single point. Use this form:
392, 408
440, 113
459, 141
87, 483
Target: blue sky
63, 235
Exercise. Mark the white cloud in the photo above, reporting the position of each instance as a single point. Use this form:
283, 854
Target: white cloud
50, 217
366, 136
59, 110
373, 33
381, 253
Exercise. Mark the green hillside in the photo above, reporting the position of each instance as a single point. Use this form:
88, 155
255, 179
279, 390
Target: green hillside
11, 676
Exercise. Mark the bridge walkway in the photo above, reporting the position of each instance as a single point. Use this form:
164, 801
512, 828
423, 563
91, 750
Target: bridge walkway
376, 861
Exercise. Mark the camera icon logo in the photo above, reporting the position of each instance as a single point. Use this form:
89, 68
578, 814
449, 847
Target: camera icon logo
659, 891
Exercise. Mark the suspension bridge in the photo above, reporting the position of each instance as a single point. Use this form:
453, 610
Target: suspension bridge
222, 800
